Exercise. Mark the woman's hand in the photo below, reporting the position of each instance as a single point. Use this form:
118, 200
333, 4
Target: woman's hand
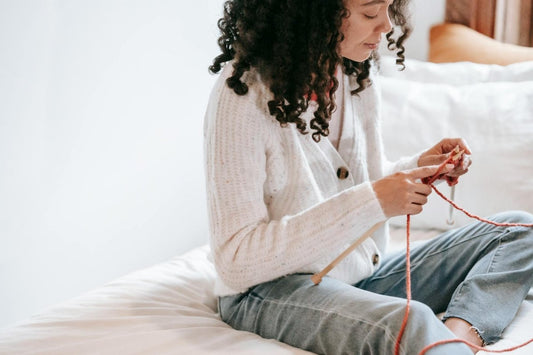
441, 151
402, 193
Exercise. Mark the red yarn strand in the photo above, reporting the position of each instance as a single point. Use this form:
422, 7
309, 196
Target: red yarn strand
407, 287
448, 341
408, 279
477, 217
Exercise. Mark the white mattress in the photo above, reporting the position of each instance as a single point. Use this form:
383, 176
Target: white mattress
167, 309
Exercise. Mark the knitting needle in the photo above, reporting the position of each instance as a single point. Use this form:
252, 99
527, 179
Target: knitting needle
451, 210
317, 278
453, 159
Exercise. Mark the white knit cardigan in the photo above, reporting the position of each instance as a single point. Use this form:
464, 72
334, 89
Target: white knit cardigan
276, 205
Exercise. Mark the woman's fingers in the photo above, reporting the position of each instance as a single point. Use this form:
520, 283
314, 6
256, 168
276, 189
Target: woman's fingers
448, 144
429, 171
419, 199
403, 193
435, 159
462, 166
442, 150
460, 169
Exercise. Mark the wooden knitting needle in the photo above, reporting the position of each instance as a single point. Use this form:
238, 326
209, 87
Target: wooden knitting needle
454, 158
317, 278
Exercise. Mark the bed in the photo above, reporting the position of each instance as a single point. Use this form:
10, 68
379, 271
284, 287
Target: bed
170, 308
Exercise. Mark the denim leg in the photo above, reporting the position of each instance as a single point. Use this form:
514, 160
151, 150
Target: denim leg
334, 318
479, 273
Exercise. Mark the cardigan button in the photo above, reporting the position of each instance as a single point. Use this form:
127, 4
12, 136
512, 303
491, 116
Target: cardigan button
342, 173
375, 259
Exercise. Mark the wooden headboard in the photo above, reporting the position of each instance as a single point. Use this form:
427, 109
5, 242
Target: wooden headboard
509, 21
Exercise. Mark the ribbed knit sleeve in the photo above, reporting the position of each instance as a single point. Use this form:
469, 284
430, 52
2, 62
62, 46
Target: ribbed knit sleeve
248, 247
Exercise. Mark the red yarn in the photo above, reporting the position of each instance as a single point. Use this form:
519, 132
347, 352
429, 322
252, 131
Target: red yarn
408, 267
448, 341
477, 217
407, 288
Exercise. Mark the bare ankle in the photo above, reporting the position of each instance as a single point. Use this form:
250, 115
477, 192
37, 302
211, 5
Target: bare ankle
464, 330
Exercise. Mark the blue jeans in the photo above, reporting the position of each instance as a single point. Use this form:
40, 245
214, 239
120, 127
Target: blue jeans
479, 273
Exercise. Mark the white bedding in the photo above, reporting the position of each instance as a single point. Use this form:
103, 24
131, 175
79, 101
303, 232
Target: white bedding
165, 309
168, 309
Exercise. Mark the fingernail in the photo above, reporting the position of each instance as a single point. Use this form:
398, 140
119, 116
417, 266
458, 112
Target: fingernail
450, 166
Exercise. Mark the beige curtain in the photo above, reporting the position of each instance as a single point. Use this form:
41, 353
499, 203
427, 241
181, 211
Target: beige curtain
509, 21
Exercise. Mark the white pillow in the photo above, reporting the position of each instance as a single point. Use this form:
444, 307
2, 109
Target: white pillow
495, 118
462, 73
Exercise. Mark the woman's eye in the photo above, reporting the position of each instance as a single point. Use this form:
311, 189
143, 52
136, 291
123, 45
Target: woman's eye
370, 16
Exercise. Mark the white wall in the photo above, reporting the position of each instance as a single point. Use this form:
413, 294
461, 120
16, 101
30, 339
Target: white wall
101, 113
425, 13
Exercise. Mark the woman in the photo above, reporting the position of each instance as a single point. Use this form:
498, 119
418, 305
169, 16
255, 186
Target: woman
296, 172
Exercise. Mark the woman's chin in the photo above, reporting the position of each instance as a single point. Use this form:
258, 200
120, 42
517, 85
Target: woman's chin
359, 57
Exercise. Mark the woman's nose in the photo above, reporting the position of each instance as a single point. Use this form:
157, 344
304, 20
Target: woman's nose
386, 25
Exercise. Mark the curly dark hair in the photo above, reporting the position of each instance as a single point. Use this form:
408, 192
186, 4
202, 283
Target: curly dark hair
294, 46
